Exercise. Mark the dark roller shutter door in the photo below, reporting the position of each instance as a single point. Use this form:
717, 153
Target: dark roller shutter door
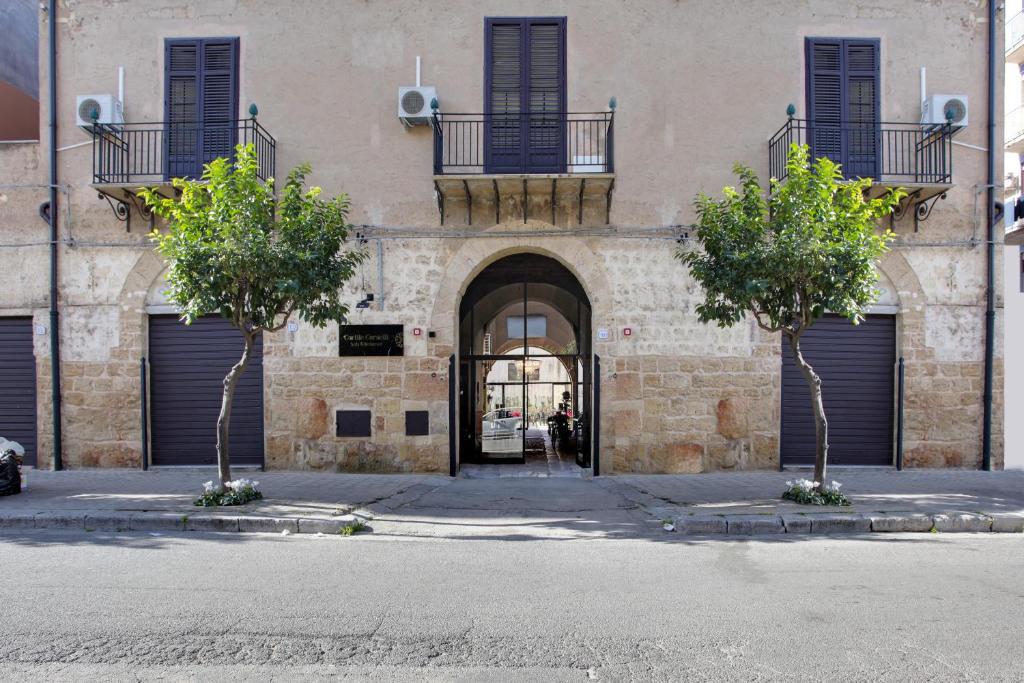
856, 365
18, 385
187, 368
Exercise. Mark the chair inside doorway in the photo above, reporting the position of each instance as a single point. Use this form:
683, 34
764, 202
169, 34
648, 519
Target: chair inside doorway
525, 370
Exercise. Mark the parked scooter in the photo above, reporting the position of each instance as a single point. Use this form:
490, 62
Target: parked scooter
11, 457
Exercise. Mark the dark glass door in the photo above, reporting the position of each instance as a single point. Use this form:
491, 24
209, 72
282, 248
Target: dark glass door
524, 341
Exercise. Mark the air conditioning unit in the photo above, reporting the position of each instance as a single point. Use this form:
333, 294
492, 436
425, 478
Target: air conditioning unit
937, 110
414, 104
107, 109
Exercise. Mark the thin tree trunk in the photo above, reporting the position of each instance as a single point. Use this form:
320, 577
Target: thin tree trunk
817, 407
224, 420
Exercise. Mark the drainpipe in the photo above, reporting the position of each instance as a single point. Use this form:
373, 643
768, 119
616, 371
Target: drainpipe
990, 308
54, 321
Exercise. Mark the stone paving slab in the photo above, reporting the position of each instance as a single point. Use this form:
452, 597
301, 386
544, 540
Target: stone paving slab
618, 506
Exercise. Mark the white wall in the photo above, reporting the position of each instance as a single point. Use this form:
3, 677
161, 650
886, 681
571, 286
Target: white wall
1014, 360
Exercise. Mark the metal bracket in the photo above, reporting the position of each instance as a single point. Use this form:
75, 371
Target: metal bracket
583, 184
554, 200
440, 200
923, 209
903, 206
608, 203
525, 205
497, 203
469, 203
122, 211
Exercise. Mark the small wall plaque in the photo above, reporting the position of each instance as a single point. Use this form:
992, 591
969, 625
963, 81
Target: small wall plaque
371, 340
602, 333
417, 423
353, 423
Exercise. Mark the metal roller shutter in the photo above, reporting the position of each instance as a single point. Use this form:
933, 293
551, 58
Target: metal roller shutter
856, 365
187, 368
18, 385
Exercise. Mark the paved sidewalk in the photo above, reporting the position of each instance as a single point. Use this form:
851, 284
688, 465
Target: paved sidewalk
618, 506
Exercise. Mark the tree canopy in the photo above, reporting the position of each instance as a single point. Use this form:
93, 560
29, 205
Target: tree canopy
233, 249
810, 247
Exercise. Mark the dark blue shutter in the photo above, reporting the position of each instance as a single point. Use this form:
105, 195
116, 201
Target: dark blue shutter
843, 103
524, 91
219, 98
862, 108
504, 93
181, 108
201, 102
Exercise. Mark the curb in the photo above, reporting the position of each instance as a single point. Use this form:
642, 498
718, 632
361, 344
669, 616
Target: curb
692, 525
850, 523
170, 522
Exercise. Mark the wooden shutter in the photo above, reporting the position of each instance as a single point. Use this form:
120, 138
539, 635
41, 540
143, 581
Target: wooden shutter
219, 102
843, 102
505, 93
524, 88
201, 102
181, 61
862, 108
545, 89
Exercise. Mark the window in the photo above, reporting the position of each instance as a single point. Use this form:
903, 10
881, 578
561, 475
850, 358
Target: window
19, 71
536, 326
524, 108
843, 103
200, 102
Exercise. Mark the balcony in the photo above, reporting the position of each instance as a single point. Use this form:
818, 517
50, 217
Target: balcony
1015, 39
911, 156
524, 159
1014, 131
126, 157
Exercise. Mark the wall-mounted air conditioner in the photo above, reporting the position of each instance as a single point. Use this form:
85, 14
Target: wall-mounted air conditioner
106, 109
414, 102
938, 110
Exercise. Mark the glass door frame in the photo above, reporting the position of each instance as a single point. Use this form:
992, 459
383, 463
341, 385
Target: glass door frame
576, 361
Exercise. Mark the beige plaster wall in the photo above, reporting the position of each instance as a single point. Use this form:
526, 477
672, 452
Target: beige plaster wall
698, 90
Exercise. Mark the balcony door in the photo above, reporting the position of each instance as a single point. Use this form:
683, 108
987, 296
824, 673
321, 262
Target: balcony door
843, 103
200, 103
524, 91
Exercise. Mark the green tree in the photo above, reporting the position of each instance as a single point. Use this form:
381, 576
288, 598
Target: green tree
810, 247
233, 250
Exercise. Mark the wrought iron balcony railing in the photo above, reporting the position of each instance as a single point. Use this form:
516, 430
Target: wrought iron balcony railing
1014, 127
907, 153
1014, 31
154, 153
524, 143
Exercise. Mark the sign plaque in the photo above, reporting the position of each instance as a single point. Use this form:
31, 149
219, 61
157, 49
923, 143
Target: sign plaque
371, 340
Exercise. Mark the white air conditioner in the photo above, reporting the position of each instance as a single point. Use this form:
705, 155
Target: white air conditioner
940, 109
414, 104
106, 108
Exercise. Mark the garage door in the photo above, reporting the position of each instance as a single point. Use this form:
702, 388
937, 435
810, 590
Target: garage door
187, 368
856, 365
18, 385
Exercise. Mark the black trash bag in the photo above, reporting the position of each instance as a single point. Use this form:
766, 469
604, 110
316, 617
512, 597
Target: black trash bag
10, 474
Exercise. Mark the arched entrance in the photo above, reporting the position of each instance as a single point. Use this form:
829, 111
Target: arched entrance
525, 380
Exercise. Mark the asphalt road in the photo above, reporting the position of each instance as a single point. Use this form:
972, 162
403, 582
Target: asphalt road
77, 606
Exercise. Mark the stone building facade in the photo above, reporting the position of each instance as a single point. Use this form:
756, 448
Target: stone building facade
696, 90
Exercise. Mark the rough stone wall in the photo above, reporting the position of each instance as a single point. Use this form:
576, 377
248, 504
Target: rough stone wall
678, 395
